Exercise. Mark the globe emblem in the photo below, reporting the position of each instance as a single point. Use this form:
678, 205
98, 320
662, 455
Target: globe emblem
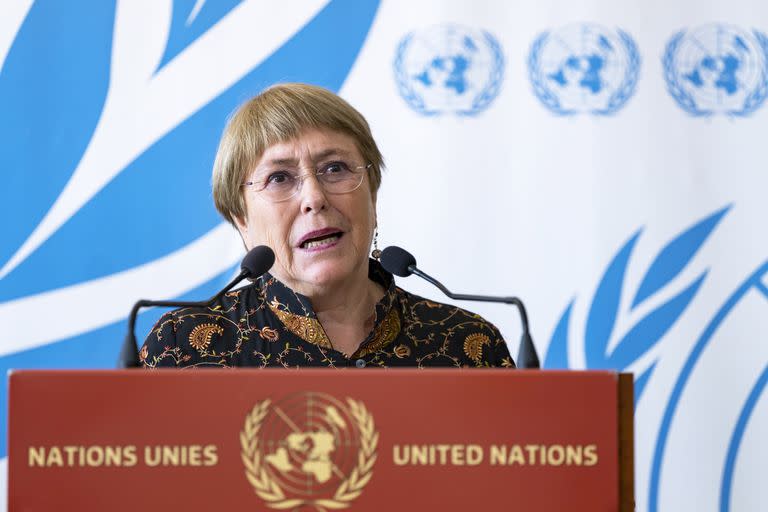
309, 444
449, 69
584, 69
717, 69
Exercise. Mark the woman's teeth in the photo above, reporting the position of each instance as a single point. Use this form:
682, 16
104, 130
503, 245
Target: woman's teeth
320, 242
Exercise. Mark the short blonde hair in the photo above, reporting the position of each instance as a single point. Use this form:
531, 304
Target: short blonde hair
278, 114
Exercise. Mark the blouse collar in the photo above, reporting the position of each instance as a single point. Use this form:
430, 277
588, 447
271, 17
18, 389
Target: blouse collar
297, 315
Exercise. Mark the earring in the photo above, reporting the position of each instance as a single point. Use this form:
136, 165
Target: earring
376, 253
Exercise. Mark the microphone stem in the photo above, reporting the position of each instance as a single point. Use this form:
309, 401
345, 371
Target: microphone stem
129, 354
479, 298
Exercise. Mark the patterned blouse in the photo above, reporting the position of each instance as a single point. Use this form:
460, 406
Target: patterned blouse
267, 324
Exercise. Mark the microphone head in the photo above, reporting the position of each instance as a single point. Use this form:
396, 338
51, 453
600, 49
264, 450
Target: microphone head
396, 261
258, 261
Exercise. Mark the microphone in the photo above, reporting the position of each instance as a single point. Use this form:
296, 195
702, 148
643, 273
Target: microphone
400, 262
257, 262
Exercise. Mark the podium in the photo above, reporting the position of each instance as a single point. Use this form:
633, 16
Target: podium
316, 439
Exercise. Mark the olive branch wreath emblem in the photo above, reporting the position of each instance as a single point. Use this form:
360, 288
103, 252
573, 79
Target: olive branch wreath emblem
483, 99
623, 92
686, 101
271, 492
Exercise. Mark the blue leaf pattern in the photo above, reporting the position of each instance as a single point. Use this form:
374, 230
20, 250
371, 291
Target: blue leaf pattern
671, 260
652, 327
641, 380
605, 305
52, 91
675, 256
161, 201
557, 352
93, 349
182, 35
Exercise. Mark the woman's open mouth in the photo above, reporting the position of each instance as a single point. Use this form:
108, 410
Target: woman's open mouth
322, 239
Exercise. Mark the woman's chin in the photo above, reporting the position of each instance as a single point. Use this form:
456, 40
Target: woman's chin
332, 272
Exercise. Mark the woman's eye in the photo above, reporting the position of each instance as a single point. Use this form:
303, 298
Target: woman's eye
335, 168
278, 178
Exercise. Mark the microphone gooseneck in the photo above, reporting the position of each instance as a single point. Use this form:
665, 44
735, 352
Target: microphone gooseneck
257, 262
401, 263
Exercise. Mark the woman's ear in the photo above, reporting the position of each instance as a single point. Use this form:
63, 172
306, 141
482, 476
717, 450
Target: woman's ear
242, 227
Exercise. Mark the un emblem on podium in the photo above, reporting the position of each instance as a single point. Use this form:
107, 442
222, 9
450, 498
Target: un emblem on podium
717, 69
584, 69
309, 449
449, 69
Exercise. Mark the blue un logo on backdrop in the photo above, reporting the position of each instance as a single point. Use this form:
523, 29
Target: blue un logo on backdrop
584, 69
449, 69
667, 287
717, 69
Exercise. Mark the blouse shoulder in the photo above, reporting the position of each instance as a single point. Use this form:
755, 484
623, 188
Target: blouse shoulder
196, 336
160, 348
470, 337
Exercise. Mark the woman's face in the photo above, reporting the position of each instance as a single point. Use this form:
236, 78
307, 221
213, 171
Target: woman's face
320, 240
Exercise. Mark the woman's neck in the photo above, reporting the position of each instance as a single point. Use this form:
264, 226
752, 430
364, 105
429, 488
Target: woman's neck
347, 312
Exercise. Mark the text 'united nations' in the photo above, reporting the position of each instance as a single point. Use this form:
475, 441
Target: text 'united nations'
494, 455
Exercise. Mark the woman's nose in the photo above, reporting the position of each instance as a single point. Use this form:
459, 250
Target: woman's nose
312, 194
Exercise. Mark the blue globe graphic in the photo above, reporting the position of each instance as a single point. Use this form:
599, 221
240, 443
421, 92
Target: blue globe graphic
449, 69
583, 66
719, 66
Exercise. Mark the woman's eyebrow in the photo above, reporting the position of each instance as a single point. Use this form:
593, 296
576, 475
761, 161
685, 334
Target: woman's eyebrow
293, 162
331, 152
280, 161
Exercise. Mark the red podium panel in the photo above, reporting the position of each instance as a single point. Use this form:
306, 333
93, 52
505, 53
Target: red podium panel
320, 440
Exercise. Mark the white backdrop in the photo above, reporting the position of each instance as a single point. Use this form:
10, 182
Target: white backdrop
603, 160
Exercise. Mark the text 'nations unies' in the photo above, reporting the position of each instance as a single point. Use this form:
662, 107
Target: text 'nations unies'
122, 456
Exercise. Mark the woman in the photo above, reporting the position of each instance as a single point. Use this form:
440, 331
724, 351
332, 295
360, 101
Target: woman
298, 170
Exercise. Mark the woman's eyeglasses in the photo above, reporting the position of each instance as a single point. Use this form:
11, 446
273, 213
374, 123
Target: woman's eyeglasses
282, 184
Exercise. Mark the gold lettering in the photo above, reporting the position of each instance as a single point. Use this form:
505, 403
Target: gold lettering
474, 454
70, 453
443, 450
444, 454
457, 455
113, 456
555, 455
129, 456
94, 456
152, 455
573, 455
36, 457
590, 454
516, 455
54, 457
498, 454
170, 455
82, 456
181, 455
531, 449
400, 455
211, 458
419, 454
193, 457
